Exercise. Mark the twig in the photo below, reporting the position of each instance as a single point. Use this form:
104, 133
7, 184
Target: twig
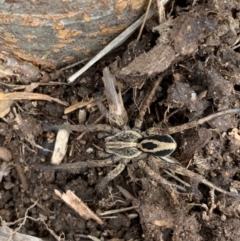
88, 236
78, 105
144, 20
74, 64
112, 45
179, 180
120, 210
139, 119
21, 175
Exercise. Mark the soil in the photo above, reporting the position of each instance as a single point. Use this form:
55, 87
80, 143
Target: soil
196, 51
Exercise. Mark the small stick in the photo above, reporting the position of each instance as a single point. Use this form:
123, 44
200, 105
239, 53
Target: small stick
21, 175
144, 20
112, 45
74, 64
78, 105
139, 119
127, 194
75, 203
120, 210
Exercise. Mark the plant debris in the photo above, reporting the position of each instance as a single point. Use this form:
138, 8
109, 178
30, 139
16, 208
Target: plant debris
182, 79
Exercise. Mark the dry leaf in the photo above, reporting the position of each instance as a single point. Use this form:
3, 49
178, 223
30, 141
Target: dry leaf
29, 96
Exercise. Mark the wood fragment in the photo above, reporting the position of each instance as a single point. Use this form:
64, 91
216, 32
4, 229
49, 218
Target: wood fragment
21, 175
60, 147
161, 11
120, 210
146, 104
115, 102
78, 105
126, 194
78, 205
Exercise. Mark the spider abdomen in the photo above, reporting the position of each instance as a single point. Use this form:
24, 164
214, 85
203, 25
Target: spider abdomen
158, 145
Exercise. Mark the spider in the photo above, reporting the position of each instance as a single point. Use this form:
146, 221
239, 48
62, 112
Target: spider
124, 144
129, 145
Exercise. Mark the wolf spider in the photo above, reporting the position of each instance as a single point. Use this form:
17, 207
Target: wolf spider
124, 145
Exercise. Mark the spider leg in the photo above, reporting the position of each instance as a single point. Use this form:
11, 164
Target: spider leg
81, 128
76, 166
113, 174
192, 124
198, 178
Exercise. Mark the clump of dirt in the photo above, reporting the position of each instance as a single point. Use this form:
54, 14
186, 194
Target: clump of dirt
195, 54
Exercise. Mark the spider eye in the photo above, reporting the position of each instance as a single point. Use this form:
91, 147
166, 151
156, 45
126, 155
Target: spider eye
158, 145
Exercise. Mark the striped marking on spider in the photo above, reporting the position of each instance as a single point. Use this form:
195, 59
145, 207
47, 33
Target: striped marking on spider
130, 144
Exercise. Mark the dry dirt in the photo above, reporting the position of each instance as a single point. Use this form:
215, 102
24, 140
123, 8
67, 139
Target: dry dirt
197, 52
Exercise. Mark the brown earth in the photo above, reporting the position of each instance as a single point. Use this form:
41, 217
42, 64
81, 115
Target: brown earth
197, 52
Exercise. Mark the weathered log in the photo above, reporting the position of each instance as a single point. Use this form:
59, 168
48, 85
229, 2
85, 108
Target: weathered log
39, 35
